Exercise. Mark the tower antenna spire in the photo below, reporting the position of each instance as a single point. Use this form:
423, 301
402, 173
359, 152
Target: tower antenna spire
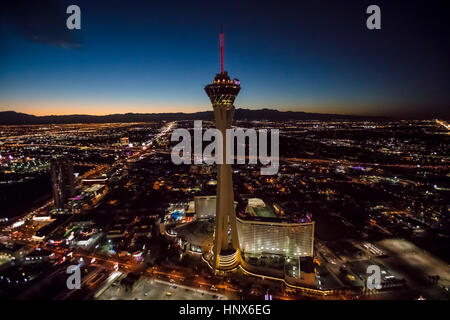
221, 48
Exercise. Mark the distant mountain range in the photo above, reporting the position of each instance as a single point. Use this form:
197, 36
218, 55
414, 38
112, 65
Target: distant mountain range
15, 118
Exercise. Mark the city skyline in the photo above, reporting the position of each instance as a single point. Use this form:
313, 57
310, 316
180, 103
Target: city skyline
296, 57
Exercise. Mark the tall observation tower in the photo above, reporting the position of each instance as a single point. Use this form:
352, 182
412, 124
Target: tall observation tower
222, 93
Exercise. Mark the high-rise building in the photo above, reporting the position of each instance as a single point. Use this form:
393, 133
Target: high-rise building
205, 206
269, 236
63, 182
262, 232
222, 93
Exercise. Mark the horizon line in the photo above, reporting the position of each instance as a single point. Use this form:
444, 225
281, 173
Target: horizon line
201, 111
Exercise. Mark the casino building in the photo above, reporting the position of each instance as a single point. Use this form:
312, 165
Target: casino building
276, 244
270, 243
263, 232
272, 237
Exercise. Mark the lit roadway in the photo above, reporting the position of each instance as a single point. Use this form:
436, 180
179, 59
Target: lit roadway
353, 163
443, 123
95, 148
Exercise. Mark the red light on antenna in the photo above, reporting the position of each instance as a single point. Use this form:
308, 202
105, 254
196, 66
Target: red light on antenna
221, 51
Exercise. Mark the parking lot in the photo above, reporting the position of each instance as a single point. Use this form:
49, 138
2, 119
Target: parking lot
151, 289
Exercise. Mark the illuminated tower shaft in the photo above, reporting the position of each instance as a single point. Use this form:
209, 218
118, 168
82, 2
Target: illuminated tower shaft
222, 93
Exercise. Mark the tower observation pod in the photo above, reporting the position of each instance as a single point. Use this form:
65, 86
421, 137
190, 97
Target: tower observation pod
222, 93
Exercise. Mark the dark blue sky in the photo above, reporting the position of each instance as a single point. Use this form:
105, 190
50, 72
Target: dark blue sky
156, 56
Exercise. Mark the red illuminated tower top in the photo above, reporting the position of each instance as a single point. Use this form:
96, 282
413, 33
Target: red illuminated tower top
223, 90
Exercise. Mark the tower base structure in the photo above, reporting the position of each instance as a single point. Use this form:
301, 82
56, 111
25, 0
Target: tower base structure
228, 259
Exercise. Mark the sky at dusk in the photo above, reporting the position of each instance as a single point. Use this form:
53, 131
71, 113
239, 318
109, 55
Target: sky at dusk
156, 56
